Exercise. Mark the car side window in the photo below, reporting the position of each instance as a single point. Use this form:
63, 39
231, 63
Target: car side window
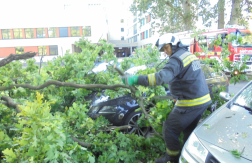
205, 71
219, 74
212, 72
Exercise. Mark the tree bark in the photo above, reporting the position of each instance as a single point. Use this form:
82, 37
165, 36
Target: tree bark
63, 84
235, 12
187, 14
221, 14
12, 57
10, 103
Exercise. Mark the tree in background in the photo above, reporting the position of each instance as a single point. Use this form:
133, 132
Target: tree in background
176, 15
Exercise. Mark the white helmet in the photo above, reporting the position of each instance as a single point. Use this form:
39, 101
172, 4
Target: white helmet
166, 39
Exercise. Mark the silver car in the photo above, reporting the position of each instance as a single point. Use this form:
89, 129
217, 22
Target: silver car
226, 135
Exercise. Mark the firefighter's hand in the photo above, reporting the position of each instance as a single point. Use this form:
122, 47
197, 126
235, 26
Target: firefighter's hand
130, 80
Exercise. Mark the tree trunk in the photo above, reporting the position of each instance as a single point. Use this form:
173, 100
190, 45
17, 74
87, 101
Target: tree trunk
187, 14
236, 12
221, 14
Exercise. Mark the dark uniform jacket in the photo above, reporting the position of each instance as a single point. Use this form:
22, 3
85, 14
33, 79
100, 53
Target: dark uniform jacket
185, 77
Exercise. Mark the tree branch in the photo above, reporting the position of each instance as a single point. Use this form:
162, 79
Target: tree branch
117, 127
12, 57
81, 142
63, 84
10, 103
146, 115
170, 5
163, 97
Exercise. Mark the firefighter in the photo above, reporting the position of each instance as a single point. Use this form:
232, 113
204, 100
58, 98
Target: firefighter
187, 85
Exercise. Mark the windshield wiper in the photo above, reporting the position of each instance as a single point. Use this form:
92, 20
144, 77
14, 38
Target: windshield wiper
246, 107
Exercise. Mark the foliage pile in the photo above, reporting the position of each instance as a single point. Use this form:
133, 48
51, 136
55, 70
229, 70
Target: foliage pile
53, 125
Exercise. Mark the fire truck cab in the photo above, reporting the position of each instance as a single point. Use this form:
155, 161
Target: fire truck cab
238, 51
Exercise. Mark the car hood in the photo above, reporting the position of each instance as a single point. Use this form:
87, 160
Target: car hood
228, 130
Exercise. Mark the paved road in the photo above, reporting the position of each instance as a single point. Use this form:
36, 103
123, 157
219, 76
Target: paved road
237, 87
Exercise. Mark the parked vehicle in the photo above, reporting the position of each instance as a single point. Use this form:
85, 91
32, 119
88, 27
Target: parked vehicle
121, 111
227, 129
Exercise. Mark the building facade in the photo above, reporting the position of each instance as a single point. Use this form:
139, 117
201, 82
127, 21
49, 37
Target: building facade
51, 34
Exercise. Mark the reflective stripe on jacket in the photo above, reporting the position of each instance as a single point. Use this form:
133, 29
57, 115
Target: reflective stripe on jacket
185, 77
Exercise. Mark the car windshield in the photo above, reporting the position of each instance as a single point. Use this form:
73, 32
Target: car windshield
246, 40
245, 98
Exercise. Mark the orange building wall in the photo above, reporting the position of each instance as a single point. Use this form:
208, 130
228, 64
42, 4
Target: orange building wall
35, 32
12, 34
46, 32
81, 31
23, 32
47, 49
57, 29
5, 52
31, 49
1, 36
69, 31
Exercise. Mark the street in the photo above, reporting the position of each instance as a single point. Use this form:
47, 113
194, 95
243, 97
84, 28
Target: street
237, 87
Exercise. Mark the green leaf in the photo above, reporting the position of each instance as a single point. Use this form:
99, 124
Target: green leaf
208, 126
244, 134
10, 155
91, 159
137, 94
236, 153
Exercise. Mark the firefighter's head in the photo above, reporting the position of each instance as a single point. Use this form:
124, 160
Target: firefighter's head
167, 43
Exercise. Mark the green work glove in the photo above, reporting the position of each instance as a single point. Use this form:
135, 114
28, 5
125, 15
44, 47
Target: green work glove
130, 80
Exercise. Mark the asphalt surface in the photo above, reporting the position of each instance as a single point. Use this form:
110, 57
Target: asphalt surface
235, 88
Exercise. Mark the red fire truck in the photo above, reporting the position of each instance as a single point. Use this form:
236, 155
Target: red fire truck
237, 50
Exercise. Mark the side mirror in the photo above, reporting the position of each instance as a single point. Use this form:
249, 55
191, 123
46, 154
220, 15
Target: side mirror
225, 96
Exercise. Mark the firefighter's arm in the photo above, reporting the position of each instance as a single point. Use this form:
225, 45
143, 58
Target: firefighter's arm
170, 70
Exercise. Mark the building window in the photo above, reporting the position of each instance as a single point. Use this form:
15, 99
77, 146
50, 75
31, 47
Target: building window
52, 32
135, 38
135, 29
149, 17
86, 31
63, 32
42, 50
122, 20
150, 32
122, 29
19, 50
75, 31
53, 50
6, 34
41, 33
146, 19
18, 33
122, 37
29, 33
146, 34
143, 22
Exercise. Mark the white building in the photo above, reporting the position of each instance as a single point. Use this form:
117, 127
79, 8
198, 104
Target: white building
49, 32
52, 27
